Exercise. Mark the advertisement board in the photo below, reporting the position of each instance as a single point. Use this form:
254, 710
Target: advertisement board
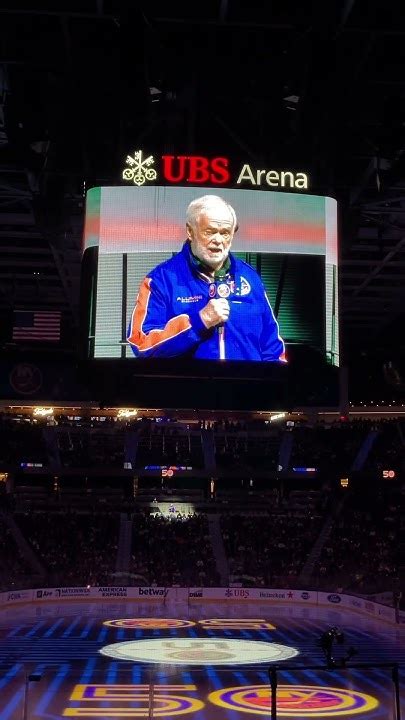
277, 596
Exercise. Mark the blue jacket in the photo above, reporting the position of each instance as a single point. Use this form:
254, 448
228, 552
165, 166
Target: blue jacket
166, 321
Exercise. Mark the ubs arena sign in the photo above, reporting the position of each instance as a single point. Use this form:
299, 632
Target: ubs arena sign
201, 170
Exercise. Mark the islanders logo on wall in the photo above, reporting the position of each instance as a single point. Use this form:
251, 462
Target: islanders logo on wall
295, 700
25, 378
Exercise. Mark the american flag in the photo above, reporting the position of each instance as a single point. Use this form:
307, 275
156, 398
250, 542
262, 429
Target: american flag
42, 325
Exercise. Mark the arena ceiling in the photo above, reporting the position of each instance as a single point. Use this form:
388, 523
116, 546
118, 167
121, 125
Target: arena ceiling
315, 86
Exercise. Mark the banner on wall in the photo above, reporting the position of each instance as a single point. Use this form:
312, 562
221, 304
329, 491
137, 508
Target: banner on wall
281, 596
254, 594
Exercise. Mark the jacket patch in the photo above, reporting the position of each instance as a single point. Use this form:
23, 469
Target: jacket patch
244, 286
224, 290
190, 299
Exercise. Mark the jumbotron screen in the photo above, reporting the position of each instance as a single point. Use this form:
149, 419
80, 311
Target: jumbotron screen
241, 278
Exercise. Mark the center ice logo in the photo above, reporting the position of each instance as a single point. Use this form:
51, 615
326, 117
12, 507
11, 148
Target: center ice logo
199, 651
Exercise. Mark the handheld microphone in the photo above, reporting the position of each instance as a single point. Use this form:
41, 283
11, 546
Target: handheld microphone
222, 290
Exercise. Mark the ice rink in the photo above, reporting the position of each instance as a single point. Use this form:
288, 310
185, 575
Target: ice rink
112, 659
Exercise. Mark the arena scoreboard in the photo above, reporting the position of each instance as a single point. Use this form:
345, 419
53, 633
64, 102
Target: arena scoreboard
286, 245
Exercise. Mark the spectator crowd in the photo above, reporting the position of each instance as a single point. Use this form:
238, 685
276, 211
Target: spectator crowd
363, 526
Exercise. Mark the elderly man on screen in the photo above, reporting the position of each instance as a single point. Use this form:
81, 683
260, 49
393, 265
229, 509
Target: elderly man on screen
204, 302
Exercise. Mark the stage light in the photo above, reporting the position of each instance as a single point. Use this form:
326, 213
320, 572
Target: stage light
42, 412
277, 416
124, 413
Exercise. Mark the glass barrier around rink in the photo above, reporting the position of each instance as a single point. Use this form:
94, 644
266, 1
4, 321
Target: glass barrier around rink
101, 688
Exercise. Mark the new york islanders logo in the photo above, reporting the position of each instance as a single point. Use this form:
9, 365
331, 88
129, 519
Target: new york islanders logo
295, 700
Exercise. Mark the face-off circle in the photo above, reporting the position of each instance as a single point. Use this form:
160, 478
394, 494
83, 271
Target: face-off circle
149, 623
295, 700
199, 651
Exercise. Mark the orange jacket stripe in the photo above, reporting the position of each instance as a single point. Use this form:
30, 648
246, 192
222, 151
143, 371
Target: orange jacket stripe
147, 341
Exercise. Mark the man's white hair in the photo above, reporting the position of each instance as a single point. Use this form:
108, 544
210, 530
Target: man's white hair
202, 204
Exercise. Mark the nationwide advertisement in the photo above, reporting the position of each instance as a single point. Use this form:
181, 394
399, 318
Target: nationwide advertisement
72, 592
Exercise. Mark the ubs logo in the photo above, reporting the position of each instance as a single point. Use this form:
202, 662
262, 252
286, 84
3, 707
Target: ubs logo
237, 592
195, 169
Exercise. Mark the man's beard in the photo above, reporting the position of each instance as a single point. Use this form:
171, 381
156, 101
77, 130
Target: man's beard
213, 263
